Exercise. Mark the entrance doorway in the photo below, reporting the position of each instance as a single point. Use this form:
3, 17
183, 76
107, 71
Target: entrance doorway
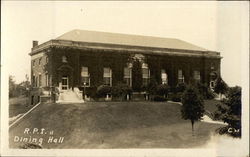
65, 83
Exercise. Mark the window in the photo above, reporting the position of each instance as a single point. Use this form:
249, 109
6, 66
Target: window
197, 76
107, 76
85, 77
33, 80
145, 74
64, 59
180, 76
128, 76
164, 77
36, 82
47, 59
33, 62
212, 66
40, 60
212, 84
47, 79
39, 80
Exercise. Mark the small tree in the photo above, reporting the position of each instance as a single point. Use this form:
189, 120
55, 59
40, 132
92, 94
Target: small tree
230, 110
220, 87
12, 86
192, 105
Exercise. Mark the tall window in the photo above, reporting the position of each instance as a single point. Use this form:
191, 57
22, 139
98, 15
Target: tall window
47, 59
107, 76
197, 75
33, 62
34, 81
128, 76
39, 80
164, 77
47, 79
40, 61
145, 74
85, 76
180, 76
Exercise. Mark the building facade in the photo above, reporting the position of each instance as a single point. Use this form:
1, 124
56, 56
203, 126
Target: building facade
87, 59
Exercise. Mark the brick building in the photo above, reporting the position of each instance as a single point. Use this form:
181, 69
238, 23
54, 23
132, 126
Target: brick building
85, 60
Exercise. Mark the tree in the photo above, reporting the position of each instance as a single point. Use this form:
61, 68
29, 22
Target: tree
192, 105
230, 110
12, 86
220, 87
205, 91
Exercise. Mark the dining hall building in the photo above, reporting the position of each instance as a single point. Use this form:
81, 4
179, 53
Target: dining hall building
83, 60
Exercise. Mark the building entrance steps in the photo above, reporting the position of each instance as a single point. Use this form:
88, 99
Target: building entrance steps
69, 96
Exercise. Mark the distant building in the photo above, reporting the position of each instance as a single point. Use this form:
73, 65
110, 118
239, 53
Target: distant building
87, 59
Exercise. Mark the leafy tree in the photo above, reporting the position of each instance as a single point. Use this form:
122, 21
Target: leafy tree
192, 105
230, 109
12, 86
220, 87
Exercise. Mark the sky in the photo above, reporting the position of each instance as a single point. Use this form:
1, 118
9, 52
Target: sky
216, 26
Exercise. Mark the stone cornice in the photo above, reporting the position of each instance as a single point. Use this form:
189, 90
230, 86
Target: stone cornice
125, 48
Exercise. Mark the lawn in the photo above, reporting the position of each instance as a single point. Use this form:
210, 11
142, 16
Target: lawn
113, 125
18, 105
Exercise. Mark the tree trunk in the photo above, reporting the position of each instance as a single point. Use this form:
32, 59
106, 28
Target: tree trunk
192, 122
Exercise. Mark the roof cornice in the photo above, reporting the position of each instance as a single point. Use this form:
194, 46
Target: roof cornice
115, 47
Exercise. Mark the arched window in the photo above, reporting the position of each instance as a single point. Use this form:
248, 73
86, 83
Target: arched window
145, 74
164, 77
128, 74
64, 59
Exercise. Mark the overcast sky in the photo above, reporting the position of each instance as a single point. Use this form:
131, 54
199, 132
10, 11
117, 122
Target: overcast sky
216, 26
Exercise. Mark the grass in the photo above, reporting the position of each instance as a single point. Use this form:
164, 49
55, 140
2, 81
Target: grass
18, 105
114, 125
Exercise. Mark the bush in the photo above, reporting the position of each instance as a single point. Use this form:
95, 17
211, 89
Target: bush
159, 98
230, 110
162, 90
205, 91
102, 91
180, 87
121, 90
176, 97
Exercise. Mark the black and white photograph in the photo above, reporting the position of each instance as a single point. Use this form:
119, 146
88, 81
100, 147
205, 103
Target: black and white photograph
125, 78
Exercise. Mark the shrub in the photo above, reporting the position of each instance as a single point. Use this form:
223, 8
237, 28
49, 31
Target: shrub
102, 91
230, 110
220, 86
176, 97
162, 90
180, 87
205, 91
159, 98
121, 90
